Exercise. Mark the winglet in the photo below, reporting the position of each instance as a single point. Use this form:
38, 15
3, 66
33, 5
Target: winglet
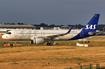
70, 29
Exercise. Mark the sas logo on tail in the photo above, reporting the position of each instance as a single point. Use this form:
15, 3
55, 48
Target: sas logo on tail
90, 27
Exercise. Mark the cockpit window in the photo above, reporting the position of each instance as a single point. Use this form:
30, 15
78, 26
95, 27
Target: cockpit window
8, 30
8, 33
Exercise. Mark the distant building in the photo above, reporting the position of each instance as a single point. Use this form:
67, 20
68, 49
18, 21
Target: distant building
65, 27
4, 27
57, 28
52, 28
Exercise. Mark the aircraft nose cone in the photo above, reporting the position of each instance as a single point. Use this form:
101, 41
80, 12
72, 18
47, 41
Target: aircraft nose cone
3, 37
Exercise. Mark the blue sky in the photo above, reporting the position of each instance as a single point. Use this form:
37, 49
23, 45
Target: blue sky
51, 11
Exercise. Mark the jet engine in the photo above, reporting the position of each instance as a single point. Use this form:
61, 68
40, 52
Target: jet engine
37, 40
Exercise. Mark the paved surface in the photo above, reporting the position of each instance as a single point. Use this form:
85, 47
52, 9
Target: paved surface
11, 41
29, 40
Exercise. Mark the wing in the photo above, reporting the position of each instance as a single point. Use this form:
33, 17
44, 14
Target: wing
53, 36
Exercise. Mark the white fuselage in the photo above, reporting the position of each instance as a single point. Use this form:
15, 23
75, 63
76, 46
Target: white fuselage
28, 34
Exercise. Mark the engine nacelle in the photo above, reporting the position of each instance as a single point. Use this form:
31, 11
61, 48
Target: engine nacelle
90, 33
37, 40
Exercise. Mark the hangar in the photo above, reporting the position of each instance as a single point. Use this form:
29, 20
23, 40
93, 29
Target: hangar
4, 28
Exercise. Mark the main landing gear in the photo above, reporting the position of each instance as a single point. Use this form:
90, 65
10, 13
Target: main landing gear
49, 44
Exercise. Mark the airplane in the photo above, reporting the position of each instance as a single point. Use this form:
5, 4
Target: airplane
42, 36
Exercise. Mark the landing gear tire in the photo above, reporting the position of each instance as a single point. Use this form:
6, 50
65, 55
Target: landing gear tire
31, 41
11, 45
49, 44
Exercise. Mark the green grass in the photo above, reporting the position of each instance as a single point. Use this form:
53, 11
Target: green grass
60, 43
97, 43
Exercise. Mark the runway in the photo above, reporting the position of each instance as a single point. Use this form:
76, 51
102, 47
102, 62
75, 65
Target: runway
95, 38
29, 40
12, 41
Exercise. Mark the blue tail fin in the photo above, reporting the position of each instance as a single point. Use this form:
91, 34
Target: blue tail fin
91, 26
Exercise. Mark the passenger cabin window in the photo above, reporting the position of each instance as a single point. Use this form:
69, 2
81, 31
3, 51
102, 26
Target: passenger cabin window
8, 33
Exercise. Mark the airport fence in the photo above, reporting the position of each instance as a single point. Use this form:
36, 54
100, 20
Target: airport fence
96, 66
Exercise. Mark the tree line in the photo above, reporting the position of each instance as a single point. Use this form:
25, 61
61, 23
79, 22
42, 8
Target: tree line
77, 26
